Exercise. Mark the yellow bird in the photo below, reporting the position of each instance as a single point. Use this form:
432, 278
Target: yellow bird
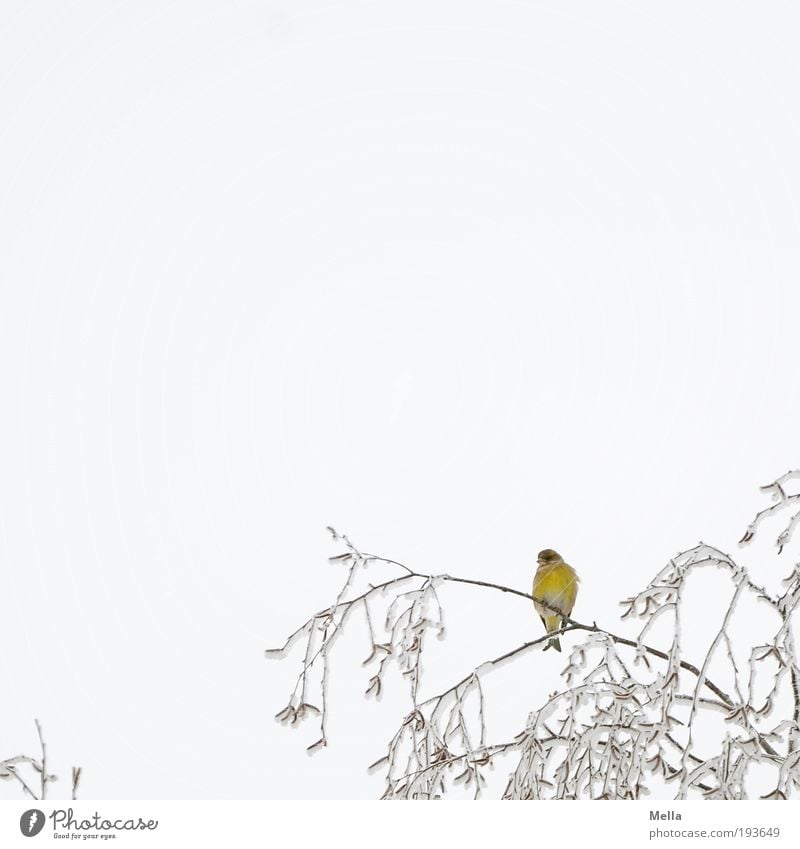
555, 583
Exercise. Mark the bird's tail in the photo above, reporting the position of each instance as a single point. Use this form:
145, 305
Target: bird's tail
555, 643
552, 623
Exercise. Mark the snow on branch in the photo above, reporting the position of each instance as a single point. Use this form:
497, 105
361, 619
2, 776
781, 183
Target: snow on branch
36, 771
629, 718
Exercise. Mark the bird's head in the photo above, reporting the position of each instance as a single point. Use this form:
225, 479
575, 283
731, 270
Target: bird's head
548, 557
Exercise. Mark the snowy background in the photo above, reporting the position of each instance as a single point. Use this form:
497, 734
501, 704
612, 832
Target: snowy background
463, 279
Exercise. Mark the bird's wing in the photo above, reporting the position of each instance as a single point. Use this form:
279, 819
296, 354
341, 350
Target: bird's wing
570, 591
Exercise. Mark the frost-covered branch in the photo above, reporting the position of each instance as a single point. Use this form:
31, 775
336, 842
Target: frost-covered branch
32, 774
630, 719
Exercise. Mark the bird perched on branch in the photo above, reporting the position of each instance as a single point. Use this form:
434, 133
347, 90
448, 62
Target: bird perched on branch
556, 584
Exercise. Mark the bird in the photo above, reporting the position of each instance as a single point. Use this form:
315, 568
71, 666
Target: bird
555, 583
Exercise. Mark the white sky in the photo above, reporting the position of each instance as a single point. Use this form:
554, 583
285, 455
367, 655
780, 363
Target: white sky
463, 279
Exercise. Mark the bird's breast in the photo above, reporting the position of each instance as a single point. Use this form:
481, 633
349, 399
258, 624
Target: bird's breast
556, 585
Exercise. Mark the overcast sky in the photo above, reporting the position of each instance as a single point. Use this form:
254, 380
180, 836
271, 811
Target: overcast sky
463, 279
